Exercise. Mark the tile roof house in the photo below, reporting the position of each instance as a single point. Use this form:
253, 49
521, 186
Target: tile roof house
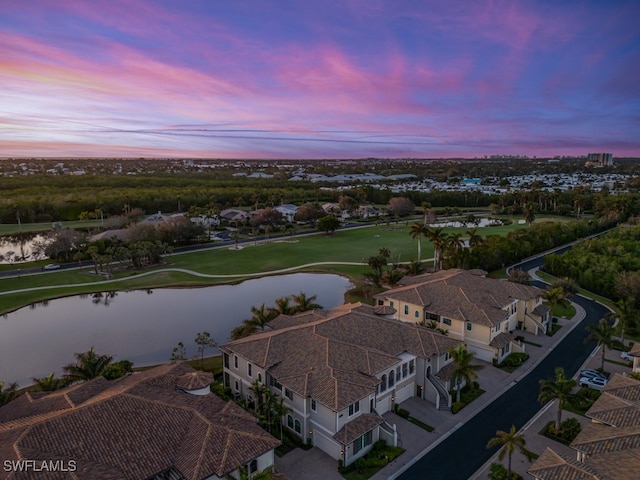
608, 448
338, 371
143, 426
480, 311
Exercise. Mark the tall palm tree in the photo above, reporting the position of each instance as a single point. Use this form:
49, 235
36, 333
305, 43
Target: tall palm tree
510, 441
416, 232
304, 303
8, 393
555, 296
262, 316
627, 314
50, 383
559, 389
437, 237
474, 238
463, 370
602, 334
283, 305
88, 365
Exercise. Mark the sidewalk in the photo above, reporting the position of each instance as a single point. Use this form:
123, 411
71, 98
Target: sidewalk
494, 381
417, 442
537, 443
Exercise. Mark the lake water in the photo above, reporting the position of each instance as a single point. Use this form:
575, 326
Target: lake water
139, 326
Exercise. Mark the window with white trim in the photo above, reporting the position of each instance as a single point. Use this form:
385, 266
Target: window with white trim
469, 326
235, 361
392, 376
406, 309
249, 370
313, 405
446, 321
354, 408
412, 366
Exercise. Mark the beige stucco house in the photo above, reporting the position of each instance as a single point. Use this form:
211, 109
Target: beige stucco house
339, 371
609, 446
482, 312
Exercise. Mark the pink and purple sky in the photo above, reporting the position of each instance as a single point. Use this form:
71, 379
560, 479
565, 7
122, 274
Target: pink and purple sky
327, 79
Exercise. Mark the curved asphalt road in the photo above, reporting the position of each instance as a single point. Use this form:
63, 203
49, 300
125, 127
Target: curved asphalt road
464, 451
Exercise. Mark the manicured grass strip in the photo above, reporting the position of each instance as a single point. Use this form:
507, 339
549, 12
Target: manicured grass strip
421, 424
566, 311
554, 328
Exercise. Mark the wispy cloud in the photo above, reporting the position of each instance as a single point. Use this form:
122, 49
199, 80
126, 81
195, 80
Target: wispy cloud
335, 79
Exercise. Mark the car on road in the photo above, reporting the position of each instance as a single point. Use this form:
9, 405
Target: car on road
626, 356
588, 373
51, 266
595, 383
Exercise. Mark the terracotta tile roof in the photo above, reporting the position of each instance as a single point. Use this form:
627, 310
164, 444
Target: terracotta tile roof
357, 427
635, 350
462, 294
137, 427
540, 310
335, 358
612, 441
384, 310
194, 380
552, 466
285, 321
502, 339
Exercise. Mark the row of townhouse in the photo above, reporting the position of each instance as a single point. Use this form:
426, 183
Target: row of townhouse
338, 371
608, 447
482, 312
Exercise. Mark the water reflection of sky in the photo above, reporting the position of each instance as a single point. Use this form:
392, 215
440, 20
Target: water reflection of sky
139, 326
12, 243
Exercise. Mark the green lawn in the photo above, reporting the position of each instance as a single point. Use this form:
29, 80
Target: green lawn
13, 228
566, 311
353, 245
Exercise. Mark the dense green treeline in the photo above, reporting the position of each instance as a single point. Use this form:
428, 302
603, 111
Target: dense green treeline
607, 265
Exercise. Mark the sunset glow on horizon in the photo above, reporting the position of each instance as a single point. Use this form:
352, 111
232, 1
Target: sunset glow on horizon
334, 79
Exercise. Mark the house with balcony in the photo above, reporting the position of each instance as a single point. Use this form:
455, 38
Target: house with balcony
160, 424
482, 312
339, 370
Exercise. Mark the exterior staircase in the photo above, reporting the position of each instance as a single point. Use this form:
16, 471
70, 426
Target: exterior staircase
445, 399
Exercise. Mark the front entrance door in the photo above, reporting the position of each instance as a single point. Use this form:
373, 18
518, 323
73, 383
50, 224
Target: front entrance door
419, 391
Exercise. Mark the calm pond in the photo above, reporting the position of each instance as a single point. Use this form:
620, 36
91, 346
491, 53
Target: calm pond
140, 326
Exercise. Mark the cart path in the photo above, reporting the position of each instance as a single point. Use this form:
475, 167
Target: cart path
188, 272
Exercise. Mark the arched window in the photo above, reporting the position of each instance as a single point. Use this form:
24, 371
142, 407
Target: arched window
260, 377
289, 421
297, 426
391, 378
383, 383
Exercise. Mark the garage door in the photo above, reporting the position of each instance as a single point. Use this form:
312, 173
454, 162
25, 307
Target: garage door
404, 393
327, 445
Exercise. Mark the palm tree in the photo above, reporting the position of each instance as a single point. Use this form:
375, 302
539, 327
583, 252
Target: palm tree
559, 389
88, 365
304, 303
8, 393
416, 232
463, 370
602, 334
627, 315
555, 296
437, 237
510, 441
283, 306
529, 215
262, 316
474, 238
50, 383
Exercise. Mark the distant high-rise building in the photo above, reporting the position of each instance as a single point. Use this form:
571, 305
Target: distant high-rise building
600, 159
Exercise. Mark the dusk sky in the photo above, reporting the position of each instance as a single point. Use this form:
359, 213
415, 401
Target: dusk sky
319, 79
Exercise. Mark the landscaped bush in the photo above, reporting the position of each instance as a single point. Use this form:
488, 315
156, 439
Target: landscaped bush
569, 430
457, 406
403, 413
513, 361
500, 472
